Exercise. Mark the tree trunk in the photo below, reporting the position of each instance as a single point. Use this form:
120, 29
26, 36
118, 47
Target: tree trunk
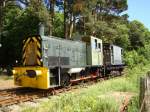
2, 4
65, 20
71, 26
52, 12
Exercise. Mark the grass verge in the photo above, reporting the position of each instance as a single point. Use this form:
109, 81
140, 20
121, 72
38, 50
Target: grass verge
134, 104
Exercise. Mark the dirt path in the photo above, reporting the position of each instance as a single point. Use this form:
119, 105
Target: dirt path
6, 82
125, 98
122, 98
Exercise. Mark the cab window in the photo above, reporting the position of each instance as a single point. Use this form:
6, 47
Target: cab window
95, 43
99, 46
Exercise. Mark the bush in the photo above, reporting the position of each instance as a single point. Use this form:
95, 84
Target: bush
145, 51
133, 58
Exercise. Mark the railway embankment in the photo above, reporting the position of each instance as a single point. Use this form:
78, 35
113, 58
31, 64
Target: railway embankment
113, 95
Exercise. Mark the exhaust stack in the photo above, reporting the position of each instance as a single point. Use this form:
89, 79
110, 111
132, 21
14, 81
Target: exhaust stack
41, 29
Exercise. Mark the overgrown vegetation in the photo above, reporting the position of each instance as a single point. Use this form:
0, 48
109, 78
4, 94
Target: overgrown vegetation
141, 55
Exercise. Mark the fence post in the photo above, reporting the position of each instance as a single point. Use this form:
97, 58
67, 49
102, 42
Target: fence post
144, 98
147, 93
142, 94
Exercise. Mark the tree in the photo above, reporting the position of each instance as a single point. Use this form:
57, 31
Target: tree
122, 38
137, 34
19, 24
72, 10
58, 30
97, 18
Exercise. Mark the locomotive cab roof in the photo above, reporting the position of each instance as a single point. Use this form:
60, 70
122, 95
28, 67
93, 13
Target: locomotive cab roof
108, 45
87, 39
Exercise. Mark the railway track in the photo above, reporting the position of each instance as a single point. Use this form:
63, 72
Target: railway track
18, 95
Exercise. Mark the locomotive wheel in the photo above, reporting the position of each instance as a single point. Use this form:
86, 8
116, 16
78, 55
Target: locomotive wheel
65, 80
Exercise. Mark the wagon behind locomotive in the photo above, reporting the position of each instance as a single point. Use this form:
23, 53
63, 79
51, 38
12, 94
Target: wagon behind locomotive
113, 58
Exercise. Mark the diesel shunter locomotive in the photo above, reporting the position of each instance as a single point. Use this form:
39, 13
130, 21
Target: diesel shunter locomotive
51, 62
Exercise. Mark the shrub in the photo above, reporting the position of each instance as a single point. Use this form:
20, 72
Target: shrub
132, 58
145, 51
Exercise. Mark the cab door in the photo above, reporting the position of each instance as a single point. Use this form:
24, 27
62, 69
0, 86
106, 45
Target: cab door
96, 48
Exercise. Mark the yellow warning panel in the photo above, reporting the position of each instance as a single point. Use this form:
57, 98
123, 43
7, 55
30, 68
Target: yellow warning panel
34, 77
32, 52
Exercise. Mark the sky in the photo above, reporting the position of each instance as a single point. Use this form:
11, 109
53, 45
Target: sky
139, 10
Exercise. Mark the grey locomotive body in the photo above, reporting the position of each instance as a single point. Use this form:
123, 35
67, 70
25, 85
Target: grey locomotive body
63, 53
70, 60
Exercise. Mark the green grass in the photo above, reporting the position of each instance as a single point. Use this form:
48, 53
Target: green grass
134, 104
95, 98
76, 103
